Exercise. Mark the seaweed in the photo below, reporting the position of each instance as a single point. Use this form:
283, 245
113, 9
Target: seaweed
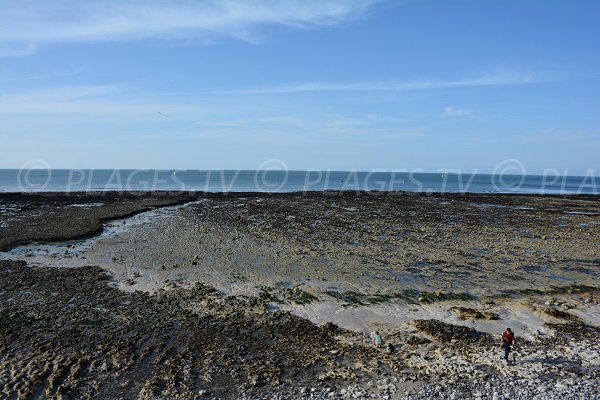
291, 296
299, 296
570, 289
237, 277
267, 295
556, 313
411, 296
415, 296
360, 299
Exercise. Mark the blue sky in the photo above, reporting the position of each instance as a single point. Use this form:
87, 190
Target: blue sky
329, 84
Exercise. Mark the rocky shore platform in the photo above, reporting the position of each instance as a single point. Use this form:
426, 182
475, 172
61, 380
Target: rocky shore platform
273, 296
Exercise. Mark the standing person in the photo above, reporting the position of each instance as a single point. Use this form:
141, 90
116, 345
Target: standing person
377, 339
508, 340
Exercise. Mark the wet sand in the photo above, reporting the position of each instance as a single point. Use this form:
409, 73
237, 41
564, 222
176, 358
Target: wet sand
360, 261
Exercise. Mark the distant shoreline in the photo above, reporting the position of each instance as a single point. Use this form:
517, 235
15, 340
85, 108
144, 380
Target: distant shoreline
328, 192
284, 181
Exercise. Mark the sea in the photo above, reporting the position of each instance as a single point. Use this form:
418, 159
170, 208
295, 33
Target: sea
124, 180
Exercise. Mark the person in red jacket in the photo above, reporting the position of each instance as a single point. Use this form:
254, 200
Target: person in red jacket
508, 340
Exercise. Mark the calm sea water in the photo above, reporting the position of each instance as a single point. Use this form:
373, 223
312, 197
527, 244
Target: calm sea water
37, 180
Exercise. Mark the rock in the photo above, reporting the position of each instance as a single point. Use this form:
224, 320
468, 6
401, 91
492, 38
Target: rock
470, 313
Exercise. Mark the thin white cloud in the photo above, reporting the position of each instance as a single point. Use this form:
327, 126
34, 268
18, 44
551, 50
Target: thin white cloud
453, 112
9, 50
91, 100
383, 118
27, 24
13, 77
61, 93
559, 136
498, 79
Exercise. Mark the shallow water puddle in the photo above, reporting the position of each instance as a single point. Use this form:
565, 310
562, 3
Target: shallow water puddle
40, 253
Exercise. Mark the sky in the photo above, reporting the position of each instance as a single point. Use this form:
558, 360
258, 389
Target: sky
462, 85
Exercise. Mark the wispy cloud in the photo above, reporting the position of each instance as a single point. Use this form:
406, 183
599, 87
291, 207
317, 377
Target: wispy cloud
559, 136
26, 24
497, 79
61, 94
452, 112
91, 100
11, 76
8, 50
89, 108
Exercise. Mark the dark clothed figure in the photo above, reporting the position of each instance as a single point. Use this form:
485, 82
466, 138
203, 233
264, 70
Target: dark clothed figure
508, 340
